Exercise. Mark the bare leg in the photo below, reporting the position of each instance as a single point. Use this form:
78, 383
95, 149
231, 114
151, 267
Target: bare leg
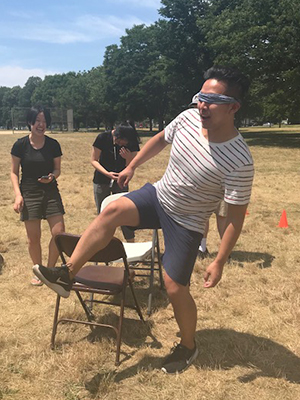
56, 224
202, 246
33, 230
100, 232
185, 310
221, 224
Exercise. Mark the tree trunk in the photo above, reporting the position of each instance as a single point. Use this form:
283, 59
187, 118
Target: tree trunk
150, 124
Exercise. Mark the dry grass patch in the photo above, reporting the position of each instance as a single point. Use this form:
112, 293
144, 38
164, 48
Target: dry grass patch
248, 326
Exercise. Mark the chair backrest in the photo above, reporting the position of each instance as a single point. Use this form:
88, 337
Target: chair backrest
66, 243
111, 198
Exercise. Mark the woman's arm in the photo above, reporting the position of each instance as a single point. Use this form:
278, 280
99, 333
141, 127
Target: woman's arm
95, 163
57, 165
14, 175
54, 174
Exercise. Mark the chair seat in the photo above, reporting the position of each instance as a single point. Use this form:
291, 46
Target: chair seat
137, 251
101, 277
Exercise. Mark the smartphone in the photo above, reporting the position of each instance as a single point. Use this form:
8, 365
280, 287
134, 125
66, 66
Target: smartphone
44, 177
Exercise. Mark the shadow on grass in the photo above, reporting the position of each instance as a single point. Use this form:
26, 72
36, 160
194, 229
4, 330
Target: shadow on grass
272, 139
223, 349
263, 260
226, 349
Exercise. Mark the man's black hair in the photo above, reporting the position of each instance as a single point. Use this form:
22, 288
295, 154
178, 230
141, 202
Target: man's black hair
237, 83
33, 113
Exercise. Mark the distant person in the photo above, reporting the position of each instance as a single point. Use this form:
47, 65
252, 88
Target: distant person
112, 151
209, 161
37, 194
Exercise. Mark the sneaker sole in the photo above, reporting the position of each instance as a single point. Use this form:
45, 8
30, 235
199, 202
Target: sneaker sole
54, 286
193, 358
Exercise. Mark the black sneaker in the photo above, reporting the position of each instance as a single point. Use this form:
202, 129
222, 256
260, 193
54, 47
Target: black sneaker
56, 279
180, 359
202, 254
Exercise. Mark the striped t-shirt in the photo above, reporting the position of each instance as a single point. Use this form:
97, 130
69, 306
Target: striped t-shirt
201, 173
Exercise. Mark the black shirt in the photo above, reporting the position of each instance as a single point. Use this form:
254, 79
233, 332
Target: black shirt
110, 157
36, 163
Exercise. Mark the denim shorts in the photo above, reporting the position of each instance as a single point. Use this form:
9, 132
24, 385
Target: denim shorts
181, 244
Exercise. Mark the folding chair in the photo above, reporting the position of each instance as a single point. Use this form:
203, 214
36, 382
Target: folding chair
145, 253
97, 279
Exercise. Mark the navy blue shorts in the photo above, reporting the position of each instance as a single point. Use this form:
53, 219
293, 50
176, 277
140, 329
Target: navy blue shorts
181, 244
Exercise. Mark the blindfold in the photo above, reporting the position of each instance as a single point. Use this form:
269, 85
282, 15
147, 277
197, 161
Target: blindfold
214, 98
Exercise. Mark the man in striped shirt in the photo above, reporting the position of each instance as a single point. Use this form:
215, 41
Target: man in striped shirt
209, 161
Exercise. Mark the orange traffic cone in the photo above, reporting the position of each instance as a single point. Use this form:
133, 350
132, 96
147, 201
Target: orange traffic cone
283, 220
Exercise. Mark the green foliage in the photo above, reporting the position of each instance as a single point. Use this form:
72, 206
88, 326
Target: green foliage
156, 69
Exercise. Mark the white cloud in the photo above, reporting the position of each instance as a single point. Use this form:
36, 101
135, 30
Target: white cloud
17, 76
87, 28
98, 27
54, 35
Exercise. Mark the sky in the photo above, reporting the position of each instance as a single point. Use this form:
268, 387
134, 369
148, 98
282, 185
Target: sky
39, 38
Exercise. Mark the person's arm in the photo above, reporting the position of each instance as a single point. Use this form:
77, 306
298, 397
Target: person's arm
154, 146
95, 163
233, 227
55, 173
14, 175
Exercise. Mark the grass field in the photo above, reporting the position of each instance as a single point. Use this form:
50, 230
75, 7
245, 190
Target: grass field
248, 326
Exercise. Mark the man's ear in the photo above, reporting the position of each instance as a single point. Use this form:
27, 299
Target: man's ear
235, 107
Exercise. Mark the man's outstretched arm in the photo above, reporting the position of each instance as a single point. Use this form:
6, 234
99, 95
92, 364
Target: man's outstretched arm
233, 228
154, 146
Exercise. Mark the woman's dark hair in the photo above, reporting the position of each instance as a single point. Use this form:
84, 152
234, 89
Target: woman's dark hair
237, 83
33, 113
128, 132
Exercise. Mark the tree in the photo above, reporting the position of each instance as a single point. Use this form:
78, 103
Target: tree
261, 38
27, 91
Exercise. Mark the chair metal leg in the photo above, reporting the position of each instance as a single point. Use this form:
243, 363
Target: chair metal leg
119, 334
54, 329
90, 316
91, 301
159, 263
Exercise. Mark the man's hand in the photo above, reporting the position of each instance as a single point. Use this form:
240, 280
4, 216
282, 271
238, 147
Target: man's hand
125, 176
213, 274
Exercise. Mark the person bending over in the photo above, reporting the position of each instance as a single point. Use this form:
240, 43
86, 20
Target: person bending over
112, 151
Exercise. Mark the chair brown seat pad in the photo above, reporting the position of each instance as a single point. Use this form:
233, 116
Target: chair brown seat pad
101, 277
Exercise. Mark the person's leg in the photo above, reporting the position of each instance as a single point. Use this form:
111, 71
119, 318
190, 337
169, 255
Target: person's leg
33, 230
100, 232
124, 211
127, 232
221, 225
185, 310
56, 224
101, 191
203, 252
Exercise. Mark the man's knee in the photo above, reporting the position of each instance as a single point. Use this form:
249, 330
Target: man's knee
174, 288
120, 212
